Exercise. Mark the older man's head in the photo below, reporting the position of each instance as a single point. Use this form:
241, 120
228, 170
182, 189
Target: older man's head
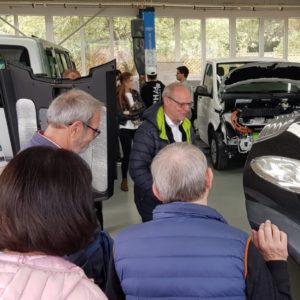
180, 173
73, 120
177, 101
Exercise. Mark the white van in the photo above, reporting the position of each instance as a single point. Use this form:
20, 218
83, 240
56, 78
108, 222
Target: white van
45, 58
238, 97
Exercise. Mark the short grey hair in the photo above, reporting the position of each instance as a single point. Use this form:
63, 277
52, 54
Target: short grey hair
178, 172
73, 105
169, 89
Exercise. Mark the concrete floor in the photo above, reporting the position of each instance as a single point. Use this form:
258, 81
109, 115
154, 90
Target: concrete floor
227, 197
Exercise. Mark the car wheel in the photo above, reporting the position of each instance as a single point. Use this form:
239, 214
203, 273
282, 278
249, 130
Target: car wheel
218, 156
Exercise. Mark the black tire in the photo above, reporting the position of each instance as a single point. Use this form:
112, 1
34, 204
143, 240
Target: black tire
218, 155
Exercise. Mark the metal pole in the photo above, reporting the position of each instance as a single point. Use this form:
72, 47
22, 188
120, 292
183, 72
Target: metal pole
15, 28
81, 26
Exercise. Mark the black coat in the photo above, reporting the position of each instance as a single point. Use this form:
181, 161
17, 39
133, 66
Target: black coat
147, 143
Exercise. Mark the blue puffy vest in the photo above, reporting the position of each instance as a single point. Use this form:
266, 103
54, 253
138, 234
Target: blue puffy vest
188, 252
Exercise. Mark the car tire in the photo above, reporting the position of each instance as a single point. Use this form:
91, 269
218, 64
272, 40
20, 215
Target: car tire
218, 156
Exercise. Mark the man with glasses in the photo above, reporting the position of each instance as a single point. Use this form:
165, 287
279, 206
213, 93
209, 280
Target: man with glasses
73, 120
73, 123
164, 123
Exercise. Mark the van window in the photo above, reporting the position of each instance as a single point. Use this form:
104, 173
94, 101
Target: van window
63, 60
59, 61
17, 54
51, 62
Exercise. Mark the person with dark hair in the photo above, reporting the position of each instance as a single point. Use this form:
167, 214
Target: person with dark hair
46, 211
130, 108
188, 251
71, 74
152, 90
182, 74
164, 123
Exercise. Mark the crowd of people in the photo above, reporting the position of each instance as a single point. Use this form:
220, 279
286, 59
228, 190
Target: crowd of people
52, 241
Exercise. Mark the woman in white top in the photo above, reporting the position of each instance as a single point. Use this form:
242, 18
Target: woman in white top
130, 107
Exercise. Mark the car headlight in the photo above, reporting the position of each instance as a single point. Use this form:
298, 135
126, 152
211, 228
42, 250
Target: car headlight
281, 171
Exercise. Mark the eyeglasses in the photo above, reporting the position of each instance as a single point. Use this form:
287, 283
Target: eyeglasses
189, 104
96, 130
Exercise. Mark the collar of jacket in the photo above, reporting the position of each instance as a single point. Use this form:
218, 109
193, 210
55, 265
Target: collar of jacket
160, 120
186, 209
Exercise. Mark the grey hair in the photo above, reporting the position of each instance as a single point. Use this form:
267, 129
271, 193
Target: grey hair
169, 89
178, 172
73, 105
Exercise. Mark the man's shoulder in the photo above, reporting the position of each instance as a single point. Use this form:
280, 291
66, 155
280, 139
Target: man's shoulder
158, 81
150, 114
147, 127
147, 85
38, 139
132, 231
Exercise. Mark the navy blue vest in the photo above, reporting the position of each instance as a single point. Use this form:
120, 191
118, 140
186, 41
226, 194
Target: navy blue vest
187, 252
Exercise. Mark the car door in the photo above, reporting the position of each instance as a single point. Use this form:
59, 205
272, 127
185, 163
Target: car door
19, 85
204, 103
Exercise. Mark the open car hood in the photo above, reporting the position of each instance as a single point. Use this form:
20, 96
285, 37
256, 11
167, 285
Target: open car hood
262, 71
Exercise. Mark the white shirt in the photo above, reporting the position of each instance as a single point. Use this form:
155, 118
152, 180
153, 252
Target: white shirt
129, 124
177, 135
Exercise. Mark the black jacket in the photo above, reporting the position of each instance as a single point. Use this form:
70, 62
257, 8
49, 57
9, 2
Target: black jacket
149, 139
151, 92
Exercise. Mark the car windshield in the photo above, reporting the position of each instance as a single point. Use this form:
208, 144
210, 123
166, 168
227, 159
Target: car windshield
224, 68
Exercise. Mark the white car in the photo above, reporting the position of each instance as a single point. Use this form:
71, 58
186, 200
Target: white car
236, 100
46, 59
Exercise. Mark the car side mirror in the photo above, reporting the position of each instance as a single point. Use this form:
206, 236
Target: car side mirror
201, 90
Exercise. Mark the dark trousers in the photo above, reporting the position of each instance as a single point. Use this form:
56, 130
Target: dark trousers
126, 138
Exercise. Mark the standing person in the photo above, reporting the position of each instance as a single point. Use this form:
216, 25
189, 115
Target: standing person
73, 123
188, 251
131, 108
46, 212
182, 75
164, 123
152, 90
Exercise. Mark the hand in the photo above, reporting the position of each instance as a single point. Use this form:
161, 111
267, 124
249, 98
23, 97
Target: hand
270, 241
126, 112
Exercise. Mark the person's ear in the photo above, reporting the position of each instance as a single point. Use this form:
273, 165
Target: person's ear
208, 179
76, 129
156, 192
